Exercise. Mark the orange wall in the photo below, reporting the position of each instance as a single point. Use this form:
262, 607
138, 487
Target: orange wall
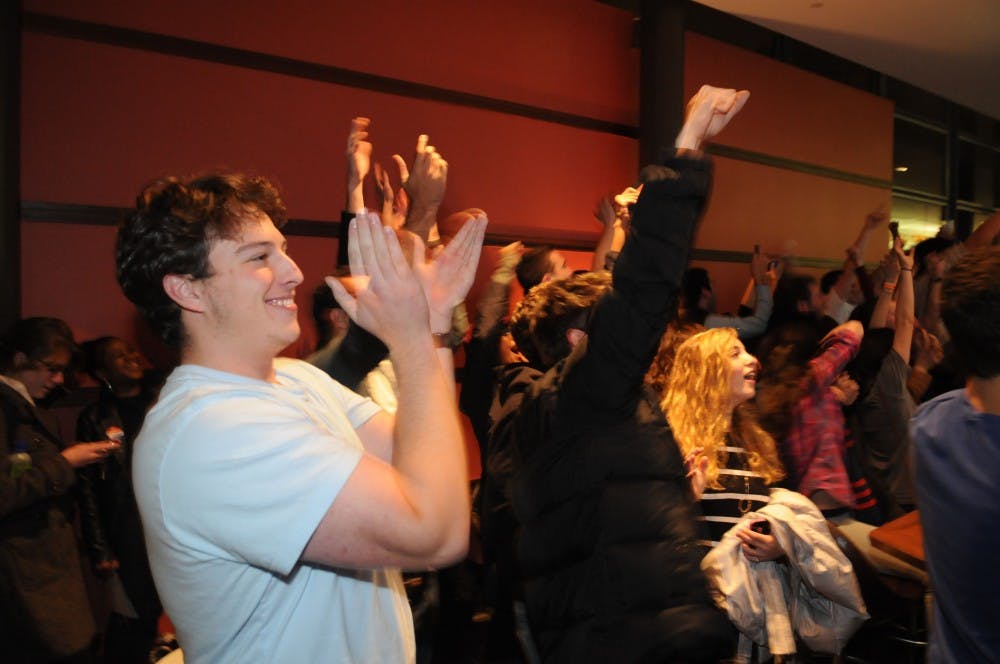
799, 116
99, 121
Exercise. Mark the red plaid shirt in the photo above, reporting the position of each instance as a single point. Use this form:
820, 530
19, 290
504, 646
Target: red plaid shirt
815, 444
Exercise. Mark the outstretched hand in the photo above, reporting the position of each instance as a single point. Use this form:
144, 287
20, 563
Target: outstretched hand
359, 159
392, 204
425, 183
708, 112
876, 217
387, 298
446, 279
359, 151
905, 260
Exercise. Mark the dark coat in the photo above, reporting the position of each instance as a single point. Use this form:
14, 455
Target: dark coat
606, 546
44, 611
109, 515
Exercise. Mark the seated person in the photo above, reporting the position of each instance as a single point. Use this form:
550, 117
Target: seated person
731, 459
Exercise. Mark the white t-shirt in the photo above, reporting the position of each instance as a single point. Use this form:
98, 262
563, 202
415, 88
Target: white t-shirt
232, 476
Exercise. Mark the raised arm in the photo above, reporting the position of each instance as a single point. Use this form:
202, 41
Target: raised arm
409, 508
905, 320
615, 218
604, 380
359, 155
762, 284
890, 272
836, 349
425, 184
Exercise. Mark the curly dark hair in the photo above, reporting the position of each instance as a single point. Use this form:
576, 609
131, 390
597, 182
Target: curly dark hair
533, 266
970, 309
548, 311
171, 231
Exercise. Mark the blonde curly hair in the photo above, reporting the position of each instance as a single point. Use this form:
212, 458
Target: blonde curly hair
697, 403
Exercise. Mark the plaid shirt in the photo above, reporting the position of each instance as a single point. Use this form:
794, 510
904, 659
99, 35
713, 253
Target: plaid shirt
815, 444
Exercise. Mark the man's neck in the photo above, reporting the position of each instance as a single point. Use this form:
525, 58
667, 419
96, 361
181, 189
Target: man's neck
984, 394
258, 369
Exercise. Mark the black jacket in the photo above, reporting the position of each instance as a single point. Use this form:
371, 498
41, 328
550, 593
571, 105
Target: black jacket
607, 526
44, 611
109, 515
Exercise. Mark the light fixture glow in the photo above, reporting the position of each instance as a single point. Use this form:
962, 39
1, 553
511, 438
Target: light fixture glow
902, 169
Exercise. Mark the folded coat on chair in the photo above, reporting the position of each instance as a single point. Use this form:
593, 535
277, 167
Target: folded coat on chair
813, 595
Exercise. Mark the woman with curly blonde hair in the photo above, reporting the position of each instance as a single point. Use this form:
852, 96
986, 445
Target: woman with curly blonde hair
731, 459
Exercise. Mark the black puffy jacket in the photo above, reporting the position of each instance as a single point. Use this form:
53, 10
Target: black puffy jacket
607, 537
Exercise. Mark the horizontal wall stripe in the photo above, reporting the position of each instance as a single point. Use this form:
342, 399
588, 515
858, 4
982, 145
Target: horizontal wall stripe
237, 57
797, 166
919, 196
106, 215
198, 50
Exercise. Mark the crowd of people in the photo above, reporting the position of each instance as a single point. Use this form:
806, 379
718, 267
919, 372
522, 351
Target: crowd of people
660, 481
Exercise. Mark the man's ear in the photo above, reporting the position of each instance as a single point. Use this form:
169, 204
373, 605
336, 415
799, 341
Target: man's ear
184, 290
574, 335
21, 361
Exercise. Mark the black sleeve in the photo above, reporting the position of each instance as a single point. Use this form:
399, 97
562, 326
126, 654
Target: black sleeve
345, 222
359, 352
88, 430
604, 375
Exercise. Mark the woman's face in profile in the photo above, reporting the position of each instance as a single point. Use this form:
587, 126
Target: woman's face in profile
743, 370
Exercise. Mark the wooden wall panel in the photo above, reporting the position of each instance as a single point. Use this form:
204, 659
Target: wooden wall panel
99, 121
793, 113
568, 55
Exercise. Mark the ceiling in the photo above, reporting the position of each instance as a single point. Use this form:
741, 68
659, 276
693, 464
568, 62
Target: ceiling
949, 48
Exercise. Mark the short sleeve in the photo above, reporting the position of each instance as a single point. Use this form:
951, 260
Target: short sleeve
250, 479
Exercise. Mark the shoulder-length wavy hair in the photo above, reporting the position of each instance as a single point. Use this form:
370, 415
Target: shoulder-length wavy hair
697, 406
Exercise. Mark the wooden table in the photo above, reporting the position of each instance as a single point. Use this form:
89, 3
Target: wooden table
902, 538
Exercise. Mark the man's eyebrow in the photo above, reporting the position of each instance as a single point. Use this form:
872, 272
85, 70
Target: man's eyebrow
257, 246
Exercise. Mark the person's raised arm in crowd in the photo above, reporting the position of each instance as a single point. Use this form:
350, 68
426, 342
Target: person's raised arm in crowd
614, 215
762, 281
890, 270
358, 155
483, 352
856, 252
905, 320
425, 183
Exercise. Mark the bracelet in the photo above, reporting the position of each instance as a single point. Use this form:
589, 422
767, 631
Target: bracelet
889, 286
906, 269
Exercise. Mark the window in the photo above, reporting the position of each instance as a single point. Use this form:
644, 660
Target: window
919, 158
